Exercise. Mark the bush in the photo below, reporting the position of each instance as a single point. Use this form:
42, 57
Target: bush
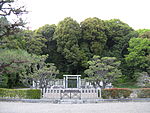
33, 94
20, 93
115, 93
144, 93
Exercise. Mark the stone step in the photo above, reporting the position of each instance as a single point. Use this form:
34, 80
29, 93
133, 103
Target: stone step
71, 101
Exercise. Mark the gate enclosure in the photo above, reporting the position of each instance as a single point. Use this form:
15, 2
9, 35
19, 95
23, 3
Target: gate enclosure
71, 87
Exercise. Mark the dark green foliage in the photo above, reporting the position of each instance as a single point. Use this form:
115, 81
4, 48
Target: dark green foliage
25, 40
71, 45
93, 36
3, 81
47, 32
12, 64
118, 34
144, 93
115, 93
67, 36
20, 93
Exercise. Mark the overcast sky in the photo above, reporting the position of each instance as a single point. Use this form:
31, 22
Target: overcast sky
136, 13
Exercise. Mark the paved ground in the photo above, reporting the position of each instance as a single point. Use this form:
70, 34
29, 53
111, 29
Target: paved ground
127, 107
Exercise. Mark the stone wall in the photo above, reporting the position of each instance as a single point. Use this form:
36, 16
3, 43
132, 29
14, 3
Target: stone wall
71, 93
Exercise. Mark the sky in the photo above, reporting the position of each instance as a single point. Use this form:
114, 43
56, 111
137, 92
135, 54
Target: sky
136, 13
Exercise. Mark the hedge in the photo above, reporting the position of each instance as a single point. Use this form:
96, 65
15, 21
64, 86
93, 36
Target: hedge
20, 93
143, 93
115, 93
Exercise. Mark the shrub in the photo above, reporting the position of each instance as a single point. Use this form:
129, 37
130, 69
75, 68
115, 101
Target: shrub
115, 93
144, 93
20, 93
33, 94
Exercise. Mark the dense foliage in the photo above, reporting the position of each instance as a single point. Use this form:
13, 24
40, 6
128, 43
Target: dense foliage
115, 93
103, 70
70, 46
20, 93
143, 93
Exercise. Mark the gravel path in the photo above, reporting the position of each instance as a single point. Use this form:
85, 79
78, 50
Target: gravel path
127, 107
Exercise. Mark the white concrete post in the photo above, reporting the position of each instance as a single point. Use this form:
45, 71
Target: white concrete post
64, 82
77, 82
33, 84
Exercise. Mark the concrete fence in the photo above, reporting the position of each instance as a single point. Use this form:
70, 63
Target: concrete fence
72, 93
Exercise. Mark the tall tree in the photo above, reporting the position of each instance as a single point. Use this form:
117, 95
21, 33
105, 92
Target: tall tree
118, 34
67, 34
47, 31
93, 36
139, 55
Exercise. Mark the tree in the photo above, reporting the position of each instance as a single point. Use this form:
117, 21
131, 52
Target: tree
104, 69
32, 42
7, 8
142, 31
139, 55
26, 40
67, 34
44, 74
13, 60
11, 63
145, 35
47, 32
118, 35
93, 36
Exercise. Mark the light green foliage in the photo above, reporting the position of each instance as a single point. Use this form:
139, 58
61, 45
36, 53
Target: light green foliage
104, 69
142, 31
139, 54
145, 35
93, 36
118, 34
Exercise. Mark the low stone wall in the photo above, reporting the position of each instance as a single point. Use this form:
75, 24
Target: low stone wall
72, 93
89, 94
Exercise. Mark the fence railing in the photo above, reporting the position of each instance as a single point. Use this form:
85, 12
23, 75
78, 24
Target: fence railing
72, 93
